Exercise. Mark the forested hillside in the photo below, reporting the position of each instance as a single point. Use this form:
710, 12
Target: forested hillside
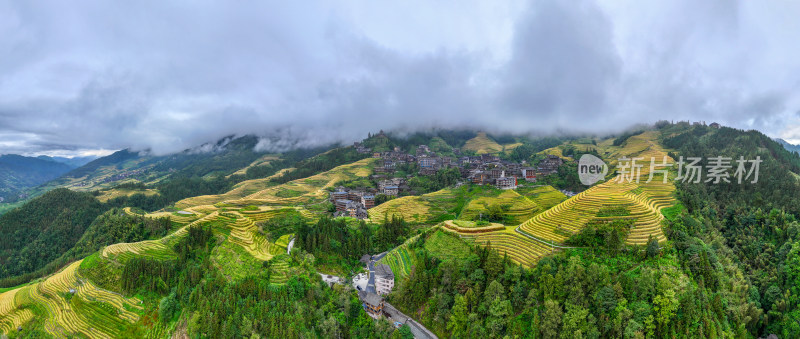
630, 260
753, 225
43, 229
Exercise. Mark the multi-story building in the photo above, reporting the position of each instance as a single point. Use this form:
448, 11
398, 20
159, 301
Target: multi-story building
427, 162
341, 204
384, 279
339, 194
506, 183
368, 200
529, 174
391, 190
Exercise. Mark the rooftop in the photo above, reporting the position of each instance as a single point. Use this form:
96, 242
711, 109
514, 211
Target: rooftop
370, 298
384, 270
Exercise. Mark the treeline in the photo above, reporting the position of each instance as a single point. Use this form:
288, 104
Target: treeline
42, 230
173, 190
251, 307
321, 163
115, 226
454, 138
60, 246
625, 136
432, 183
753, 226
586, 293
529, 148
159, 276
335, 237
566, 177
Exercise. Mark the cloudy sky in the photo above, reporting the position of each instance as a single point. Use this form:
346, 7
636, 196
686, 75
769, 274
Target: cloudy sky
81, 77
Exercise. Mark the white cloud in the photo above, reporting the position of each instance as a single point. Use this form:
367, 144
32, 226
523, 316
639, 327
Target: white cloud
169, 76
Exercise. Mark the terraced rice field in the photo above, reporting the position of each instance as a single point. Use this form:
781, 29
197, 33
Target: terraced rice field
516, 207
280, 270
510, 147
482, 144
12, 317
424, 208
461, 226
157, 249
517, 247
411, 208
436, 206
544, 196
644, 200
560, 222
312, 189
262, 161
266, 213
239, 191
400, 259
125, 251
72, 307
113, 193
284, 240
244, 232
445, 245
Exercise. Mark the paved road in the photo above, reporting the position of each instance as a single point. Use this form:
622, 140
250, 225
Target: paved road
419, 331
371, 267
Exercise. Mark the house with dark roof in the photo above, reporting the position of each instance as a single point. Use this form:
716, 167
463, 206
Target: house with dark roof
365, 259
372, 303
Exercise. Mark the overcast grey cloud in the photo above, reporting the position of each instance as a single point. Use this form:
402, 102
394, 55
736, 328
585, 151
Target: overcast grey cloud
91, 75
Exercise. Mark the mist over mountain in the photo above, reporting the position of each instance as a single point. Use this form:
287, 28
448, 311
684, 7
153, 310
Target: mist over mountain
165, 78
788, 146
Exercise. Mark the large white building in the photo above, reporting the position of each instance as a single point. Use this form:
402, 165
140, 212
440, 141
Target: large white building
384, 279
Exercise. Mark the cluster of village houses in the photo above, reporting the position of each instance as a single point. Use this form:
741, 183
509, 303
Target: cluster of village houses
486, 169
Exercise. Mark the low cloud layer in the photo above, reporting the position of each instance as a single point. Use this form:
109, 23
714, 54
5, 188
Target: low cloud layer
167, 76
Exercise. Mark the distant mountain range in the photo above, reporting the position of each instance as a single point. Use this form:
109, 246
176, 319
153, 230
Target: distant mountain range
788, 146
73, 162
19, 172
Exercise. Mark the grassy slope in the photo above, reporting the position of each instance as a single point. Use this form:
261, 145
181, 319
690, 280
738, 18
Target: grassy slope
439, 244
482, 144
306, 191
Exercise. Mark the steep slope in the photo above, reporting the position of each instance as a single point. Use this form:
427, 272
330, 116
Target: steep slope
44, 229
